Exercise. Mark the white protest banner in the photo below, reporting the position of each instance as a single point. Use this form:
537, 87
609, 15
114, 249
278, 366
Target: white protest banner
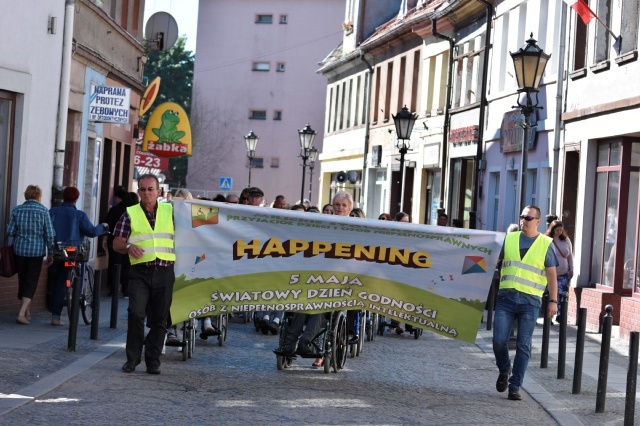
109, 104
236, 258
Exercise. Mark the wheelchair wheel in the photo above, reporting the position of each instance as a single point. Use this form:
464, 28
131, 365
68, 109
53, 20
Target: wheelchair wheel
222, 326
417, 332
339, 346
360, 344
191, 343
185, 341
371, 326
283, 362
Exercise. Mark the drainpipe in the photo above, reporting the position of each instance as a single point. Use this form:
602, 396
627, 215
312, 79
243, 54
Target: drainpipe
63, 104
363, 178
481, 117
559, 109
445, 130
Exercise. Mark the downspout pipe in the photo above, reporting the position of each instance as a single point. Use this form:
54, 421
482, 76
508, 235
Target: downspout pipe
557, 134
63, 104
447, 118
481, 117
363, 178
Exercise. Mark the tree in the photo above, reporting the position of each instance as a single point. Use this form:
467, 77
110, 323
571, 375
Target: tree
175, 69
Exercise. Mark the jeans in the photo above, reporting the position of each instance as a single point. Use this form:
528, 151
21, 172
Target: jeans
514, 305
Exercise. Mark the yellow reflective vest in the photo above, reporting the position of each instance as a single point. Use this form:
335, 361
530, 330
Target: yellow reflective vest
157, 242
527, 275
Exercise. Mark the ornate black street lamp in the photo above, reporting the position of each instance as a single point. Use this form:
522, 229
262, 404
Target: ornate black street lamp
529, 62
252, 142
306, 135
404, 121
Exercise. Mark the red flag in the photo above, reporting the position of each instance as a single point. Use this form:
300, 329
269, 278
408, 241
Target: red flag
582, 9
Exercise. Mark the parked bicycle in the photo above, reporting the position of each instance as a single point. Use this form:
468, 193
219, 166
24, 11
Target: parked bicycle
75, 254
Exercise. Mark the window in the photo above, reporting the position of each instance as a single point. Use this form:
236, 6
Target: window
257, 163
259, 114
629, 27
264, 19
602, 35
283, 19
261, 66
7, 122
280, 67
277, 115
275, 162
388, 92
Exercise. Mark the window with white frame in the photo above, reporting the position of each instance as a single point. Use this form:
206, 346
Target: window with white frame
283, 19
261, 66
280, 67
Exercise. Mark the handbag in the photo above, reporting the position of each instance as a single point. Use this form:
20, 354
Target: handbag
7, 262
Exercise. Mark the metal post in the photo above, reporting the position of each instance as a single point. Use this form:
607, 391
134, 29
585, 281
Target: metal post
310, 183
577, 370
526, 111
402, 152
250, 165
95, 305
75, 310
114, 296
304, 171
544, 353
632, 372
603, 370
562, 343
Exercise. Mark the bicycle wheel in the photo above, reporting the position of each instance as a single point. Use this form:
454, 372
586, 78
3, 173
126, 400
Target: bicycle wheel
71, 277
86, 298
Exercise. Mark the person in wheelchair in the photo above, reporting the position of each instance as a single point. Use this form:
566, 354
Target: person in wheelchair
298, 341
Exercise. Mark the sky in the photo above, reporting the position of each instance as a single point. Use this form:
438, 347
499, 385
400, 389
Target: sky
184, 11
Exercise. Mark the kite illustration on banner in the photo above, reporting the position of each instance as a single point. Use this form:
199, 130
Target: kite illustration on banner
474, 265
200, 258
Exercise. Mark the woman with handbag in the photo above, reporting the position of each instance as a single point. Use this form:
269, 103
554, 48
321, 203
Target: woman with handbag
562, 247
33, 237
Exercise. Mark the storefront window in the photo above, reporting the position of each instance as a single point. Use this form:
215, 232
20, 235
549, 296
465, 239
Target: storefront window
6, 124
612, 228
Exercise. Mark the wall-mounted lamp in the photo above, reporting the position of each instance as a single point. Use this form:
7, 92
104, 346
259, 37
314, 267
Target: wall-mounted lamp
142, 61
53, 23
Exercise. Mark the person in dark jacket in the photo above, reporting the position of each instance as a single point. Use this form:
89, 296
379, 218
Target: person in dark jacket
71, 226
122, 200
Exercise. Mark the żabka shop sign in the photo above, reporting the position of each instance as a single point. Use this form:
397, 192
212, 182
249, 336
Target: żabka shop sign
109, 104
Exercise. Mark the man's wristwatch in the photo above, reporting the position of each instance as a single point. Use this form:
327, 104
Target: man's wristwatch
128, 245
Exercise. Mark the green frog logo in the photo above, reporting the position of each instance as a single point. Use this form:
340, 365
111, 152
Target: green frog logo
168, 131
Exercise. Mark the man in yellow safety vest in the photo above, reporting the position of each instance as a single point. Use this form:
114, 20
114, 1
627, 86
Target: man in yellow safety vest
146, 233
528, 269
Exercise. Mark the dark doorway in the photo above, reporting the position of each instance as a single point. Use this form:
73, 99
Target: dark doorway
570, 192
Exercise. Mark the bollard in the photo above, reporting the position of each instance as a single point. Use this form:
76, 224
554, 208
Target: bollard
114, 295
544, 352
562, 342
632, 372
577, 371
75, 311
95, 305
603, 370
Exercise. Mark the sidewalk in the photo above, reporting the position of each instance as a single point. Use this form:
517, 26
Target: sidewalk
36, 361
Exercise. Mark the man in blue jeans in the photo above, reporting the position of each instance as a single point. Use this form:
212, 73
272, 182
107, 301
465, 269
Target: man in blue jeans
528, 269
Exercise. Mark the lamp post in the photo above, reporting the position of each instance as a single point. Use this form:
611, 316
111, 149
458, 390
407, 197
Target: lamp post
313, 156
252, 142
529, 63
404, 121
306, 135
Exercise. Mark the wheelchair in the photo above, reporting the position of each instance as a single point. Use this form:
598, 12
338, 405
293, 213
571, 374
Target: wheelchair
330, 343
391, 323
187, 343
359, 327
220, 324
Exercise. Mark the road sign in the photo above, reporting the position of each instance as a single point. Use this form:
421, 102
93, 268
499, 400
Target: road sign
226, 183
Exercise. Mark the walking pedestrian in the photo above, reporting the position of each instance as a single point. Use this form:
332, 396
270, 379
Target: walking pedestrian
146, 233
528, 269
71, 226
121, 198
33, 237
564, 271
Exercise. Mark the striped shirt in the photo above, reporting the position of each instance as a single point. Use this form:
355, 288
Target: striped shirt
123, 229
31, 228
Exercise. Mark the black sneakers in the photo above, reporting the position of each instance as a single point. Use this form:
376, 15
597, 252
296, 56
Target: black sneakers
130, 367
514, 394
502, 383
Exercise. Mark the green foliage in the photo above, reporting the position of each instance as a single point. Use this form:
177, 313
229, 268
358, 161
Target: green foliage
175, 69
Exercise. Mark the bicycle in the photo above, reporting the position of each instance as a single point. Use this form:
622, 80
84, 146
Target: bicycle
75, 254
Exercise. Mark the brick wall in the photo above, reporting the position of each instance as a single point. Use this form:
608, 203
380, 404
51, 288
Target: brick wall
630, 316
9, 303
595, 301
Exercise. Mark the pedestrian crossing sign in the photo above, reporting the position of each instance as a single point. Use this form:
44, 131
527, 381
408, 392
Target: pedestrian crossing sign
226, 183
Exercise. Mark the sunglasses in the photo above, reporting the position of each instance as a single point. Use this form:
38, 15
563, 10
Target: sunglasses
382, 218
528, 218
147, 189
